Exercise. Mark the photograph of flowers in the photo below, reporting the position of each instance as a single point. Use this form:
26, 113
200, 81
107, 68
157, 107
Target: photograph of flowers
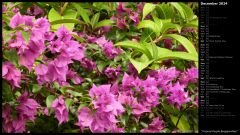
100, 67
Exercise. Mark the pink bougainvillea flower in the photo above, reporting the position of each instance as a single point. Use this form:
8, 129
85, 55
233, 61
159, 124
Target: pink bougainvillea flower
63, 34
56, 46
101, 41
61, 112
134, 17
97, 91
110, 51
168, 43
127, 80
75, 78
28, 20
121, 23
29, 51
11, 74
97, 122
34, 10
85, 118
164, 76
4, 8
106, 29
154, 127
41, 69
12, 124
132, 70
181, 48
88, 64
190, 75
139, 109
27, 107
49, 35
121, 8
42, 24
149, 97
92, 39
178, 96
108, 48
104, 100
28, 56
170, 87
139, 8
26, 110
16, 20
112, 73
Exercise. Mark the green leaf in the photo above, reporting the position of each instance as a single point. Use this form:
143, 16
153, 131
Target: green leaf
135, 45
178, 55
49, 100
74, 93
151, 25
6, 19
55, 85
185, 11
144, 124
95, 19
179, 9
67, 21
148, 7
7, 93
82, 12
68, 102
184, 41
101, 65
26, 36
11, 55
152, 48
124, 119
103, 23
188, 12
78, 38
165, 11
81, 106
193, 23
53, 15
183, 124
69, 14
141, 63
170, 109
103, 6
36, 88
167, 26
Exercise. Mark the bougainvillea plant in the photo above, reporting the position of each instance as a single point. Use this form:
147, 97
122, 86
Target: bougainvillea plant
99, 67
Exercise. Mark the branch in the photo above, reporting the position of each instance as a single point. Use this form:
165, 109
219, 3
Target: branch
157, 39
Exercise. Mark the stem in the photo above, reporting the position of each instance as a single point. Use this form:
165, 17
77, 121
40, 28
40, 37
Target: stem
158, 39
181, 115
64, 7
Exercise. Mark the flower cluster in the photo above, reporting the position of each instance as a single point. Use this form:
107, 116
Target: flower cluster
26, 110
106, 108
154, 127
121, 15
61, 112
11, 74
173, 84
107, 46
29, 51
